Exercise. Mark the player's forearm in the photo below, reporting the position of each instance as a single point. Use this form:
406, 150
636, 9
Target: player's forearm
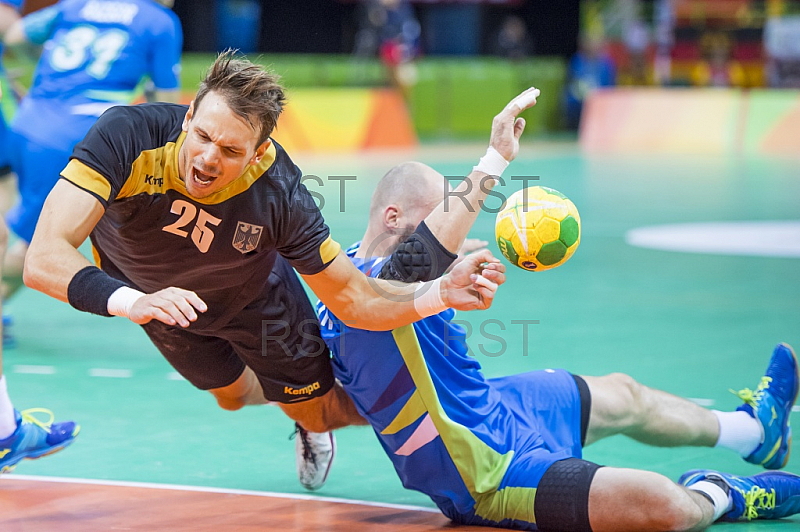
8, 17
385, 305
50, 266
452, 220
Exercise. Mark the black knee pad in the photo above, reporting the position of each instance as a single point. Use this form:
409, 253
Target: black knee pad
562, 497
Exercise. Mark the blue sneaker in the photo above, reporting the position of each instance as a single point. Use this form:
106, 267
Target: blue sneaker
771, 404
34, 439
770, 495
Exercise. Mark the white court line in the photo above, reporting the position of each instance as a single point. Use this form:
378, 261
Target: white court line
175, 376
111, 373
202, 489
34, 370
796, 408
701, 401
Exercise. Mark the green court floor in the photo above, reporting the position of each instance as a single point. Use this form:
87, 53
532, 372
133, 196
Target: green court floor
693, 324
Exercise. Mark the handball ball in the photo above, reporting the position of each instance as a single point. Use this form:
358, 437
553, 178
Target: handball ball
538, 228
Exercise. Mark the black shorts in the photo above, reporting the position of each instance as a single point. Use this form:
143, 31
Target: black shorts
277, 336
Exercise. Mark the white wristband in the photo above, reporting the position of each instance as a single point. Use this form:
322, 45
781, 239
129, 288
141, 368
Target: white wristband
121, 301
428, 299
492, 163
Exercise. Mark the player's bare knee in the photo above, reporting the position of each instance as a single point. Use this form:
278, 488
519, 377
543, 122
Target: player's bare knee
229, 403
675, 510
632, 397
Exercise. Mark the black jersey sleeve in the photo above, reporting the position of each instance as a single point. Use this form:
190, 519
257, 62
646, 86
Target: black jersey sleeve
101, 163
303, 238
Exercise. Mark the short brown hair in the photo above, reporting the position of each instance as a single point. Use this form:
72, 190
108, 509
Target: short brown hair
250, 90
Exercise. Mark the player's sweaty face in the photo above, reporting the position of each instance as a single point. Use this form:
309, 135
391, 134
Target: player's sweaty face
218, 147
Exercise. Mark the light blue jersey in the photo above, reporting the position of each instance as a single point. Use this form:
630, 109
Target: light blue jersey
478, 447
96, 54
8, 105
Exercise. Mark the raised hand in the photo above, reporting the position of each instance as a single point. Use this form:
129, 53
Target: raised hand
507, 128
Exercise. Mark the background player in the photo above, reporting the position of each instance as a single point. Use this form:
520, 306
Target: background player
22, 435
96, 54
202, 199
9, 14
506, 451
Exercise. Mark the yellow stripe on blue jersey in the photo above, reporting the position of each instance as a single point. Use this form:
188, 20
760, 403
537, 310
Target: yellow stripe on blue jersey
480, 467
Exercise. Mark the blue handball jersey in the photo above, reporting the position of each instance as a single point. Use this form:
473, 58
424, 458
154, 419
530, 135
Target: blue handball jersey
7, 107
450, 433
95, 55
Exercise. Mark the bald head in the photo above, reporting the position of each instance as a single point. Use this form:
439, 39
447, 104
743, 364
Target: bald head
410, 186
402, 199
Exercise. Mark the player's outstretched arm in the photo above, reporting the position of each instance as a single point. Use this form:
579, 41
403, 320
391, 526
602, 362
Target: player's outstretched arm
55, 266
380, 305
53, 259
452, 219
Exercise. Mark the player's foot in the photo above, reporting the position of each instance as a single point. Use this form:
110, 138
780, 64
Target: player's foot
770, 495
314, 453
771, 404
34, 438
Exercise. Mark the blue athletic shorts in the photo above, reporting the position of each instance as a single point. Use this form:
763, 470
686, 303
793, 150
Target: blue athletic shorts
5, 160
551, 409
38, 168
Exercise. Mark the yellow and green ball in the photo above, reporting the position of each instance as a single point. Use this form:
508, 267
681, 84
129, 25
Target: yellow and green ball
538, 228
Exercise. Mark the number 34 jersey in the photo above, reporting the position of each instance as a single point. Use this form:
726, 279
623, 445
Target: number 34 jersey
95, 54
153, 235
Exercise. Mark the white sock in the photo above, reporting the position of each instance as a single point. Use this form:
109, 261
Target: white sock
8, 423
739, 431
722, 502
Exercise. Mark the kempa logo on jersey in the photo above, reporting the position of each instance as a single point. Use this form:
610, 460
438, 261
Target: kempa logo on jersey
247, 237
308, 390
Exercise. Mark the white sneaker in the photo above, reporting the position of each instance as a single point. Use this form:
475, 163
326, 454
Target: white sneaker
314, 453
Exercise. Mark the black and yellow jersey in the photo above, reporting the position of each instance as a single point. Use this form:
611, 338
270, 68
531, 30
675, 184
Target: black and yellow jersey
153, 235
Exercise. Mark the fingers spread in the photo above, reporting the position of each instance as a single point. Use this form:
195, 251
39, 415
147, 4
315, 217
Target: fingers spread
193, 299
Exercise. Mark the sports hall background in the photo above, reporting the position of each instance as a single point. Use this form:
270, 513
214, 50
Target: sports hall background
695, 323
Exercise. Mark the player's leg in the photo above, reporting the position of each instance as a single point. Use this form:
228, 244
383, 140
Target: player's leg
7, 418
38, 168
209, 363
621, 405
632, 500
758, 430
562, 493
245, 391
278, 337
22, 434
331, 411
